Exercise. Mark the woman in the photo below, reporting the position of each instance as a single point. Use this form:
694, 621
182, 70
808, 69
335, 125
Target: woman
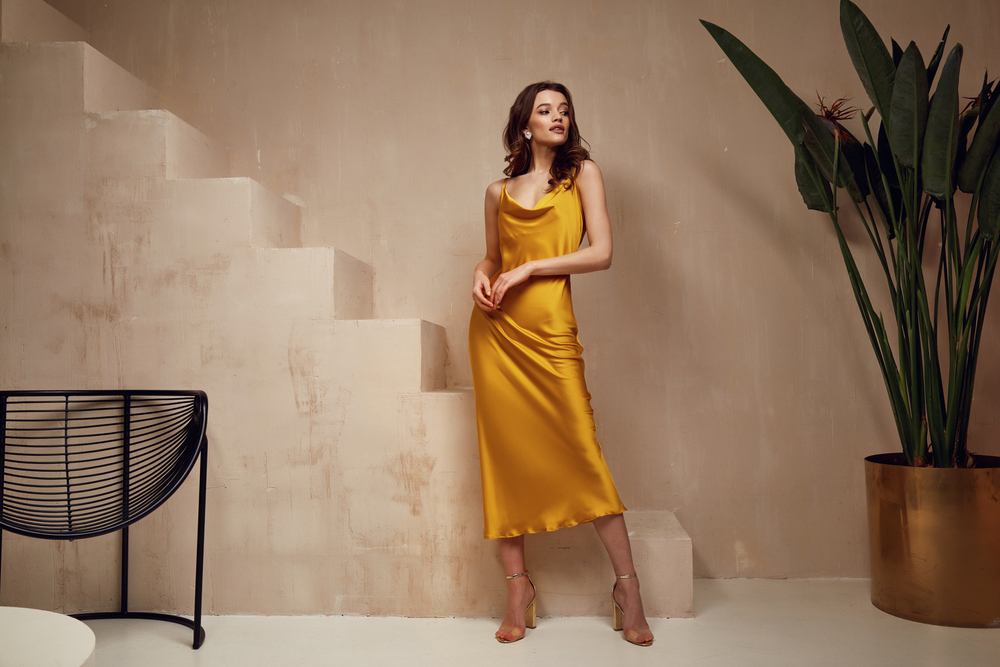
542, 467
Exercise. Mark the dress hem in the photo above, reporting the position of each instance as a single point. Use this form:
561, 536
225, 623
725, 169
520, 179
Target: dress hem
567, 524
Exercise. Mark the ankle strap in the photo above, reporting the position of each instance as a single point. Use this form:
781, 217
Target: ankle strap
625, 576
517, 574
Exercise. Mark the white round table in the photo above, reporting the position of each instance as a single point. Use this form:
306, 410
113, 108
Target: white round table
35, 638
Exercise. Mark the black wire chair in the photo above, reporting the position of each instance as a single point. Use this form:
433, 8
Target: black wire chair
80, 464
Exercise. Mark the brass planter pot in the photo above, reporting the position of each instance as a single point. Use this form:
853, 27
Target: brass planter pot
934, 535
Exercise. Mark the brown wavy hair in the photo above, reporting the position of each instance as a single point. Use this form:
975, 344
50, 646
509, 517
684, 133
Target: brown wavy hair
569, 157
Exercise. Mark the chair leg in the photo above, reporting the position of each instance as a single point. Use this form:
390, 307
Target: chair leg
124, 580
199, 632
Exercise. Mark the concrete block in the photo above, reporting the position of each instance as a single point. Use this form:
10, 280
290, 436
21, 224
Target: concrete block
60, 78
188, 249
41, 81
36, 21
275, 222
386, 357
662, 552
311, 282
152, 144
289, 284
136, 279
352, 282
574, 577
433, 356
419, 549
461, 572
241, 287
383, 357
222, 214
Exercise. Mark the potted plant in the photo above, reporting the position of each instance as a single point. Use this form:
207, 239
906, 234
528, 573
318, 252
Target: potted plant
934, 509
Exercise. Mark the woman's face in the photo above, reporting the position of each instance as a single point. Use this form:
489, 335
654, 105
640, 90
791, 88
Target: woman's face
549, 120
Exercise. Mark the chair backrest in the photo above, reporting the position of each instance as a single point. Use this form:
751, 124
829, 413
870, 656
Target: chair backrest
84, 463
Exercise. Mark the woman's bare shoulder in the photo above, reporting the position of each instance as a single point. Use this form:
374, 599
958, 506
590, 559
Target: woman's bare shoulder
589, 171
493, 190
590, 175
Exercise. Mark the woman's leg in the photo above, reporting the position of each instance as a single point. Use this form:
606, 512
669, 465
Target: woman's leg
519, 590
613, 533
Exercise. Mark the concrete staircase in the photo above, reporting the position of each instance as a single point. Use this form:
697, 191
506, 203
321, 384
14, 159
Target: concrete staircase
344, 475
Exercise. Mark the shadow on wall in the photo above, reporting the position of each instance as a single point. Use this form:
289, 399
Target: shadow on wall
984, 427
790, 244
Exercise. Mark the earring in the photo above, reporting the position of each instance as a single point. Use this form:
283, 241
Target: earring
527, 135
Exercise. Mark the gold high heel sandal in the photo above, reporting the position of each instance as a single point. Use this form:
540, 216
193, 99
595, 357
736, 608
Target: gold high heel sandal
529, 612
620, 615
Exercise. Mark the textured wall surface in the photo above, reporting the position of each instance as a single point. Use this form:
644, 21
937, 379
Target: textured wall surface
733, 381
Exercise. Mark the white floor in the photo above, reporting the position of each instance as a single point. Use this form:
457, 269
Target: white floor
772, 623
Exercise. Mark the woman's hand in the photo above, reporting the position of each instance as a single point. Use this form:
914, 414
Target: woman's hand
481, 292
507, 280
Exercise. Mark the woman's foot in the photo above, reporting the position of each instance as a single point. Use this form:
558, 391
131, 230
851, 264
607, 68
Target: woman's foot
520, 593
626, 596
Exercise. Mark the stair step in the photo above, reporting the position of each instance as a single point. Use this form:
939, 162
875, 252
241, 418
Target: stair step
36, 21
662, 552
436, 521
377, 357
51, 79
437, 493
298, 282
572, 569
153, 144
41, 81
385, 357
205, 249
243, 289
215, 215
353, 284
167, 278
430, 470
334, 432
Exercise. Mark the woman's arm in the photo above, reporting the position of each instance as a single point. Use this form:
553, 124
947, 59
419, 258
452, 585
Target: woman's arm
596, 257
481, 291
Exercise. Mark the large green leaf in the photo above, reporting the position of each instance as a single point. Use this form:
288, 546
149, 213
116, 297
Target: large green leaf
878, 188
982, 146
783, 104
811, 195
966, 120
885, 159
897, 52
989, 200
941, 142
908, 114
888, 169
938, 54
870, 57
854, 153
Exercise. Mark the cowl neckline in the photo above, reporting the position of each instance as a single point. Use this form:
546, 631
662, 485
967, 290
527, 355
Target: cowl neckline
541, 206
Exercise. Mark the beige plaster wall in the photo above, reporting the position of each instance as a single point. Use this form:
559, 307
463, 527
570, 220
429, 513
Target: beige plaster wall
732, 379
33, 21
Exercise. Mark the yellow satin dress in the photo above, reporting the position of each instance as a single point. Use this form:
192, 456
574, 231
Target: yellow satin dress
541, 464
